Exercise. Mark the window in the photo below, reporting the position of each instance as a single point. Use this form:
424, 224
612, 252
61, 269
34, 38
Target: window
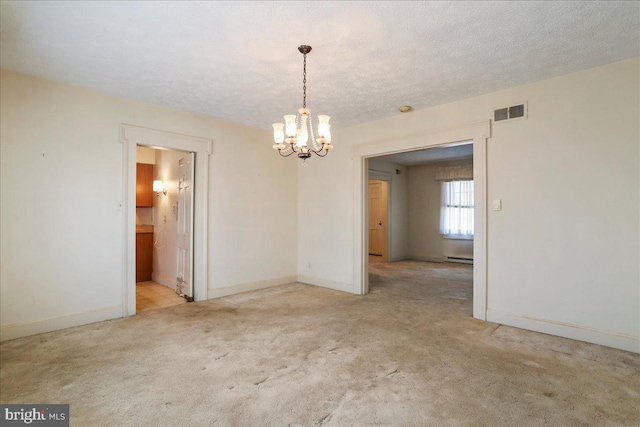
456, 218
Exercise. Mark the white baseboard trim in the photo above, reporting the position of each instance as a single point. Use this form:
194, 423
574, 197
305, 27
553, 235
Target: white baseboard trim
325, 283
567, 330
19, 330
246, 287
428, 258
458, 260
164, 280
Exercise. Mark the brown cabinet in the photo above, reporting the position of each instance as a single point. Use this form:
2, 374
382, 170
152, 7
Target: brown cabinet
144, 256
144, 185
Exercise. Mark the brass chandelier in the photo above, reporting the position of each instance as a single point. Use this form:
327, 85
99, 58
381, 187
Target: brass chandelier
296, 134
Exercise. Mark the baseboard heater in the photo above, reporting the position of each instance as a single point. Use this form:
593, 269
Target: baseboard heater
458, 259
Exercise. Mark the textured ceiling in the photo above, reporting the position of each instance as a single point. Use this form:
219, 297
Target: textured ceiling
238, 61
431, 155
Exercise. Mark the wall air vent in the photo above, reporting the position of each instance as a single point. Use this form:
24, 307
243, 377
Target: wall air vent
501, 114
513, 112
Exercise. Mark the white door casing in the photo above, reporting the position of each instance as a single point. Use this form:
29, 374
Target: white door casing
130, 137
476, 132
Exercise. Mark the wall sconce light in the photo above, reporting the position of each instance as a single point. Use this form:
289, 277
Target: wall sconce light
158, 187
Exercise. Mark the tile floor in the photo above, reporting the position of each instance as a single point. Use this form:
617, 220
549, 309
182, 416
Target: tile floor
151, 296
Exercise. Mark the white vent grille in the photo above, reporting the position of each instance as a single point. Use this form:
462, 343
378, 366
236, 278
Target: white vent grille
513, 112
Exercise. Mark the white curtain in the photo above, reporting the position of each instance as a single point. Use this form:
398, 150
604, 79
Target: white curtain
453, 173
456, 218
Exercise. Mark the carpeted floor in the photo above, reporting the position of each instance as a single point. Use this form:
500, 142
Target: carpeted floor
408, 353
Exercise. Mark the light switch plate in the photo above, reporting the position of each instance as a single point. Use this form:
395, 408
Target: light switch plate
497, 205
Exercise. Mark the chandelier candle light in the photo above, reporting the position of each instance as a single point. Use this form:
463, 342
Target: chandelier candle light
296, 134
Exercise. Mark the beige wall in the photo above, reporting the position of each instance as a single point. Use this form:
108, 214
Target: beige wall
459, 248
425, 241
563, 253
146, 155
144, 216
62, 203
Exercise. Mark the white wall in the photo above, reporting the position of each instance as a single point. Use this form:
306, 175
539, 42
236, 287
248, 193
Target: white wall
425, 200
62, 194
563, 253
398, 205
460, 248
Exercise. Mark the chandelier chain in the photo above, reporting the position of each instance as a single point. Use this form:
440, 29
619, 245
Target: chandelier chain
304, 82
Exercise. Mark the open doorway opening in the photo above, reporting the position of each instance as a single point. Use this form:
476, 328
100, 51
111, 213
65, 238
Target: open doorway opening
164, 223
131, 137
430, 227
478, 132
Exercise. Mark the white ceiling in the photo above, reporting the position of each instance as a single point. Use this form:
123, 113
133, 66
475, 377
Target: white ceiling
431, 155
238, 61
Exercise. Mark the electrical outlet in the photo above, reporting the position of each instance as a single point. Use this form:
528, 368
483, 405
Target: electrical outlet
309, 266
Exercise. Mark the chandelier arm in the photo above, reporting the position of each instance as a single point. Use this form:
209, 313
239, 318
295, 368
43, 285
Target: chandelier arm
285, 155
286, 149
317, 153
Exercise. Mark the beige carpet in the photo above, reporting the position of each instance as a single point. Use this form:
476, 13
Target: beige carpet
406, 354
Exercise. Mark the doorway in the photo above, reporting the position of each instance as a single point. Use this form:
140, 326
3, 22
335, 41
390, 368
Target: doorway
131, 137
476, 132
164, 223
432, 225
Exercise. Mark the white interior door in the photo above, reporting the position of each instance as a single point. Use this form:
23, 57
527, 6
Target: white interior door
185, 226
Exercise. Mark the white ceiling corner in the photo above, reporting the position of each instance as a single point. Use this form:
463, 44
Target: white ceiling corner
237, 61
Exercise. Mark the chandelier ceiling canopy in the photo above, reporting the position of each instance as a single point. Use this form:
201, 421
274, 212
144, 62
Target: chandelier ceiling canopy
296, 134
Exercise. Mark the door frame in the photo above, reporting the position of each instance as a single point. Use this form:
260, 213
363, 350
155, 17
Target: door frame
130, 137
476, 132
